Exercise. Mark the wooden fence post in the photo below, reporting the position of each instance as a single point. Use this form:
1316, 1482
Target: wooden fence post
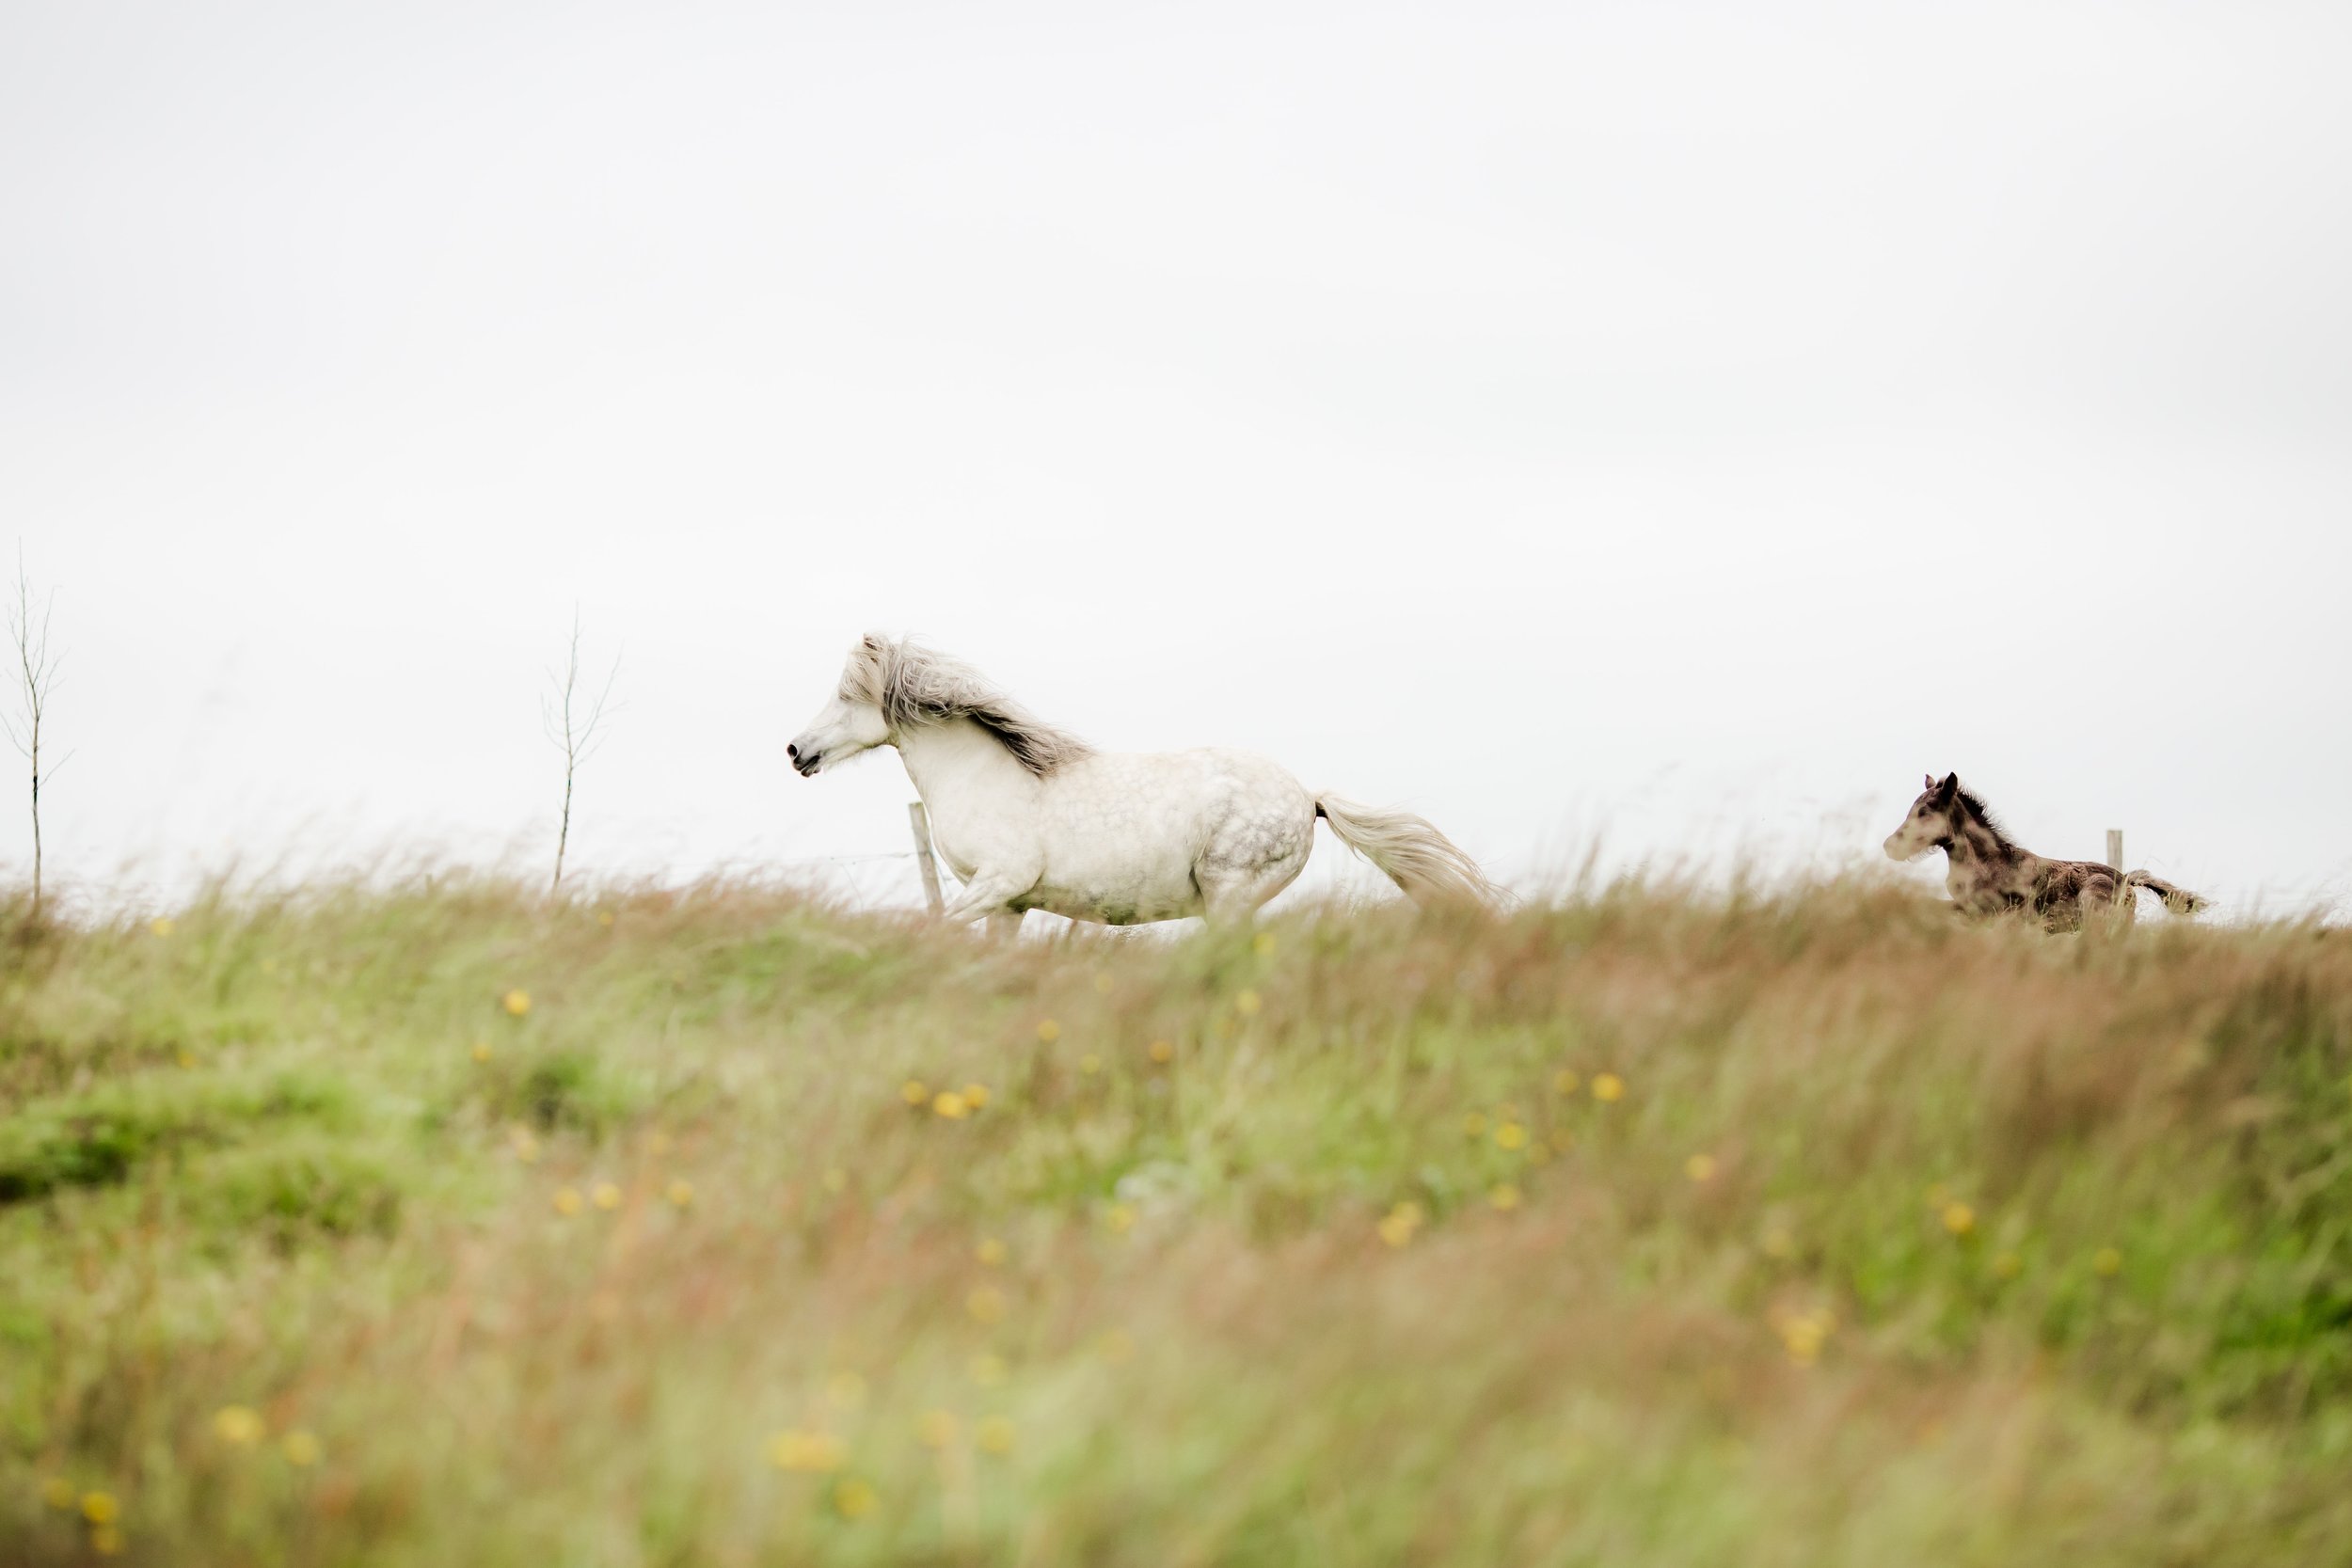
2115, 848
931, 867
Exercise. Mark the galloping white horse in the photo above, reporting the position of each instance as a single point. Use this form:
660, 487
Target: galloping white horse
1031, 817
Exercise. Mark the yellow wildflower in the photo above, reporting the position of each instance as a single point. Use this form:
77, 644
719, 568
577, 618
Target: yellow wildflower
162, 926
1265, 944
679, 1193
1510, 1135
1246, 1004
2008, 1265
912, 1091
239, 1424
1474, 1124
604, 917
937, 1429
1608, 1087
606, 1196
806, 1452
482, 1051
1565, 1083
1505, 1196
1162, 1052
106, 1541
975, 1096
952, 1105
567, 1200
1048, 1031
99, 1508
2109, 1262
58, 1494
994, 1434
1803, 1334
991, 1251
1699, 1168
986, 1304
516, 1002
300, 1447
853, 1499
1399, 1224
1090, 1063
1958, 1218
1120, 1217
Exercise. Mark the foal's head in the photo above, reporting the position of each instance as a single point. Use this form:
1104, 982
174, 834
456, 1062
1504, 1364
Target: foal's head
1932, 822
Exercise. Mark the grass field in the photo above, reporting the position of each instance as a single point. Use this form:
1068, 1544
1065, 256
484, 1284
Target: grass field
446, 1226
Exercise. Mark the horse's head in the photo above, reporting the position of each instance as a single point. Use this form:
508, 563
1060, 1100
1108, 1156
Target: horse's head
853, 721
1933, 820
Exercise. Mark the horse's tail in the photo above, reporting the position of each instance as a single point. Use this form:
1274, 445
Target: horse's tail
2178, 899
1428, 865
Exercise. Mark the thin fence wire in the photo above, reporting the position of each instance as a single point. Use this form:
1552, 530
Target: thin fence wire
109, 896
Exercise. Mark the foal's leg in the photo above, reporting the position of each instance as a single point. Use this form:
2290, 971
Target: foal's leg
2089, 898
2107, 898
1005, 924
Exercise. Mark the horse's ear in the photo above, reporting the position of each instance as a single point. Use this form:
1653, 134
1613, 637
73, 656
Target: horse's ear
1950, 787
1929, 783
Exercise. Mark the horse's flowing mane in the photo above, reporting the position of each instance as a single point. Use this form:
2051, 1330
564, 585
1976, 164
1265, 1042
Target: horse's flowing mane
915, 686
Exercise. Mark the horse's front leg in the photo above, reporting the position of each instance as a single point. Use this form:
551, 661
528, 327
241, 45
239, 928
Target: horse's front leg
989, 892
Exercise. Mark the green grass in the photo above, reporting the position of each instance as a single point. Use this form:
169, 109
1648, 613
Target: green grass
1904, 1242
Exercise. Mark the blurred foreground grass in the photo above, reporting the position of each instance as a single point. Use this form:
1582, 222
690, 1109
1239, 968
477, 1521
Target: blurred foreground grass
446, 1226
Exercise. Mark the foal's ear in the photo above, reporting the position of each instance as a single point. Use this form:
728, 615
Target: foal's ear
1929, 782
1950, 787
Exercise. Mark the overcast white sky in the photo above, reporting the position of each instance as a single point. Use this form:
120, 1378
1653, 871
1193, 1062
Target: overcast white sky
1683, 422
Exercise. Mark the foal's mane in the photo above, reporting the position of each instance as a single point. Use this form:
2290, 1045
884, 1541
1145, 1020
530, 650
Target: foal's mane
915, 686
1975, 807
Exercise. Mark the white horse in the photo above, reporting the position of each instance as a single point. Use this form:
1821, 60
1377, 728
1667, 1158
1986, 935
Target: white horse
1031, 817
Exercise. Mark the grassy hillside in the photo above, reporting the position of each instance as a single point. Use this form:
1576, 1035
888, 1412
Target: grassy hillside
448, 1226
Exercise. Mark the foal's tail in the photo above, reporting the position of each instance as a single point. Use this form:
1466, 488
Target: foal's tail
1428, 865
2178, 899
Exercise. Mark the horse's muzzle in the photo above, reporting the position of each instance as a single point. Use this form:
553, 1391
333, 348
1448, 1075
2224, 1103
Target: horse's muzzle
805, 764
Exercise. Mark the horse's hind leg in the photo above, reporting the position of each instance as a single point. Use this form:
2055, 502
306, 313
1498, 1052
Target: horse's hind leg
1237, 903
1232, 896
1254, 854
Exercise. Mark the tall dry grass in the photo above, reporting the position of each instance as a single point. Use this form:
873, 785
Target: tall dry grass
446, 1224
